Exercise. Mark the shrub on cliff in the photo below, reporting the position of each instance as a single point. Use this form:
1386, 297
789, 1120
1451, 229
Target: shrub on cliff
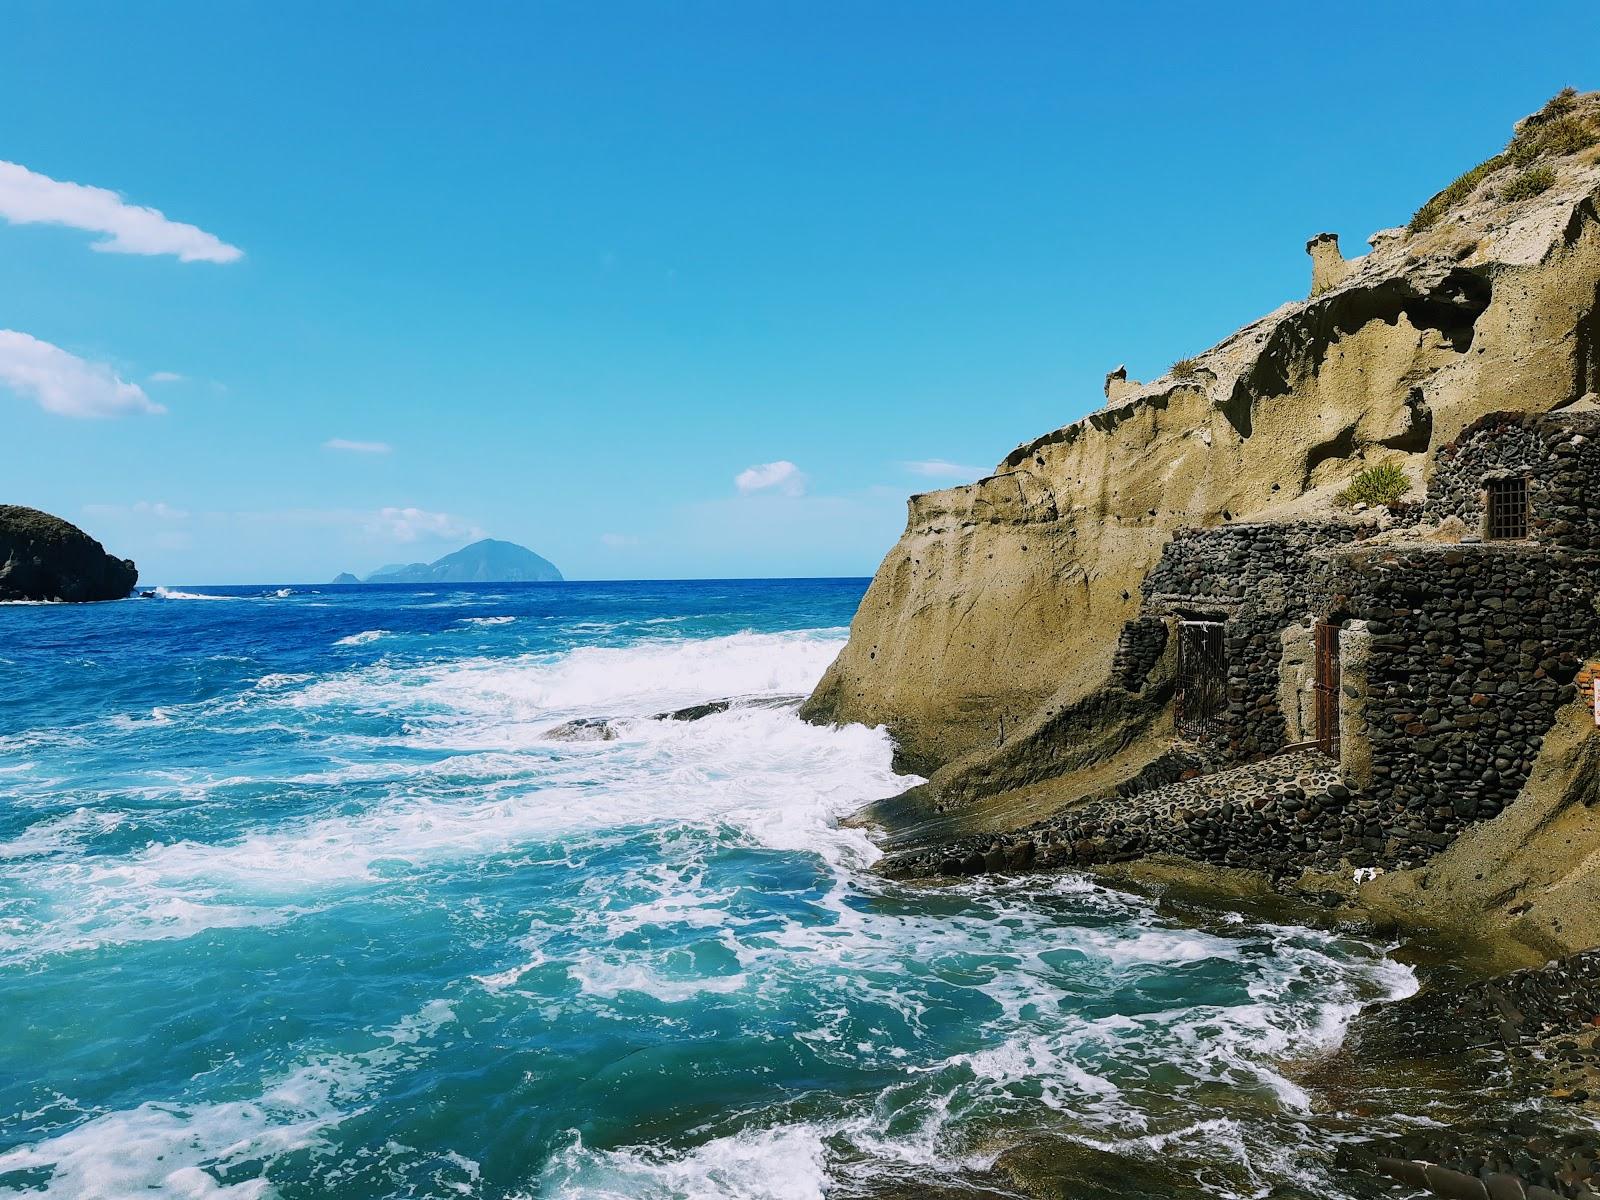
1453, 195
1383, 484
1528, 184
1555, 139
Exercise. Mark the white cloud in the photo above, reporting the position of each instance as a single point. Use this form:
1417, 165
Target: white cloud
782, 475
357, 447
938, 468
28, 198
64, 383
416, 524
618, 541
166, 377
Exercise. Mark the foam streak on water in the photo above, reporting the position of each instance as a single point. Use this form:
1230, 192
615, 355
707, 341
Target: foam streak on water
298, 899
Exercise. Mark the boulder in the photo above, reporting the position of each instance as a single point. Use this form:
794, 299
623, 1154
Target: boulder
45, 558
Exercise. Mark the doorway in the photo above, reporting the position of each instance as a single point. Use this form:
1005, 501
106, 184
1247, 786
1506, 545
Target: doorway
1202, 677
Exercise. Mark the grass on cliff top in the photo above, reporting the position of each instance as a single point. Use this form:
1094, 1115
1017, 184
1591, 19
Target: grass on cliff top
1383, 484
21, 521
1185, 368
1555, 131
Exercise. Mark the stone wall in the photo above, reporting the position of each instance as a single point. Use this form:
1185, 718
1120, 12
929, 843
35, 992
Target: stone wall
1472, 650
1559, 455
1139, 648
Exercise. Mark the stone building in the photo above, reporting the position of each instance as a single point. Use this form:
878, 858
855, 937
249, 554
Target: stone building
1341, 691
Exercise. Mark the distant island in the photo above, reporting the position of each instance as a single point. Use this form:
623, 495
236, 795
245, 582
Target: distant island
488, 561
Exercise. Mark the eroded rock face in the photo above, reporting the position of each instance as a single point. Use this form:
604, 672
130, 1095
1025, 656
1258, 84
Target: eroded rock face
45, 558
1003, 599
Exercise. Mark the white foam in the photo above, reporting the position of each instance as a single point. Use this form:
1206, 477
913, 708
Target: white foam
786, 1163
62, 833
607, 979
162, 1148
487, 620
167, 593
362, 638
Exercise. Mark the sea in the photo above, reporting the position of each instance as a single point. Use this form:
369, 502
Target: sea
301, 897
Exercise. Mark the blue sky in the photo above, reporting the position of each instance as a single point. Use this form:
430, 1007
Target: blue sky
578, 275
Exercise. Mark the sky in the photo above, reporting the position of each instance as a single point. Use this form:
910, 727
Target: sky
662, 290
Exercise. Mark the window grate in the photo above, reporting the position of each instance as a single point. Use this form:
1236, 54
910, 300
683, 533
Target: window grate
1508, 508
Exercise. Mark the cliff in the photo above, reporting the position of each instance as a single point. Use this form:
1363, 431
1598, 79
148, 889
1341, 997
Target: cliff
998, 609
45, 558
1166, 644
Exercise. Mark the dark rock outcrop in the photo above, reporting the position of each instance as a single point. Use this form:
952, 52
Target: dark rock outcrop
45, 558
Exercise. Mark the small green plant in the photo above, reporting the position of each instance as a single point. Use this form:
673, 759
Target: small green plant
1186, 368
1383, 484
1426, 216
1529, 183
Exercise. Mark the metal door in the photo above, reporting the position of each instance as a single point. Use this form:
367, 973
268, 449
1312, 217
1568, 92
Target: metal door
1326, 688
1202, 676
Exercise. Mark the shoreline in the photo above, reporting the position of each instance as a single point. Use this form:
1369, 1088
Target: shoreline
1532, 1127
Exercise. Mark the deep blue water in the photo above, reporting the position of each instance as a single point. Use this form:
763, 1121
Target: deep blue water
298, 899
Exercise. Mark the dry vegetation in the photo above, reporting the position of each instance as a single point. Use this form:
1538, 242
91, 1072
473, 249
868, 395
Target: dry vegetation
1555, 131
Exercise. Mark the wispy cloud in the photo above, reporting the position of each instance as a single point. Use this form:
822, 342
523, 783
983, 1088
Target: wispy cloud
63, 383
166, 377
158, 509
416, 525
782, 476
357, 447
29, 198
618, 541
938, 468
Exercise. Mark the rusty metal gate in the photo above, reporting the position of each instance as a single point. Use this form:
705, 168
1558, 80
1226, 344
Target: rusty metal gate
1326, 689
1202, 677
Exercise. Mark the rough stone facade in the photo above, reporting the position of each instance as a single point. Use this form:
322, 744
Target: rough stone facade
1256, 578
1558, 454
1459, 656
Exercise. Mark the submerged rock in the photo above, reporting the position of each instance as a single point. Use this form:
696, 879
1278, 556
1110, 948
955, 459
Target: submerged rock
600, 729
582, 729
711, 708
45, 558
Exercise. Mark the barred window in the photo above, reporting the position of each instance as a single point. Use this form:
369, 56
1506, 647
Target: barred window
1508, 508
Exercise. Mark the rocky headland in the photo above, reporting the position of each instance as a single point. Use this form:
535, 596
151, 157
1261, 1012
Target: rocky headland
1314, 616
45, 558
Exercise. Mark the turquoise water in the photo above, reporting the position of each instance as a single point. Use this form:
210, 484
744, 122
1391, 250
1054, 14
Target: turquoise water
298, 899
